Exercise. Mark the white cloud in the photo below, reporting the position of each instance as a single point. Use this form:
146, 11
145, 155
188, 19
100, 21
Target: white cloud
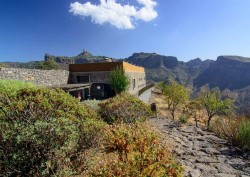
120, 16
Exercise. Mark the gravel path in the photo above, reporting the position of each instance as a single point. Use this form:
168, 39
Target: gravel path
145, 96
201, 152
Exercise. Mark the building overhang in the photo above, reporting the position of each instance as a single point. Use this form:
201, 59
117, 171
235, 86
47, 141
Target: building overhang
72, 87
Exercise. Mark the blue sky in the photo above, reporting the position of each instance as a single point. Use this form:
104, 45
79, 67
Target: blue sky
183, 28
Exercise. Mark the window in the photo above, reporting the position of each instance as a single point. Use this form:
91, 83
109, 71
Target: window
133, 83
82, 79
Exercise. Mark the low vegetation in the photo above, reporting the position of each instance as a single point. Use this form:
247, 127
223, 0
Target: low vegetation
93, 104
234, 129
2, 65
183, 119
124, 108
244, 134
48, 65
134, 150
43, 131
47, 132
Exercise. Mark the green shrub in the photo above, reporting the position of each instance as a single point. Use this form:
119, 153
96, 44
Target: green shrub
93, 104
124, 108
227, 128
183, 119
235, 130
43, 131
119, 80
48, 65
2, 65
244, 134
135, 151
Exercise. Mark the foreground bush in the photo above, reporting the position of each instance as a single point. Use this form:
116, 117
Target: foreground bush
44, 132
235, 130
93, 104
124, 108
244, 134
134, 151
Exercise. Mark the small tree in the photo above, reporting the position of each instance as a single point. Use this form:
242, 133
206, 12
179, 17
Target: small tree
161, 85
48, 65
213, 103
176, 95
118, 80
193, 109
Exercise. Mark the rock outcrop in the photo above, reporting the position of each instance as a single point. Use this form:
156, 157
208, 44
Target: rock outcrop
153, 60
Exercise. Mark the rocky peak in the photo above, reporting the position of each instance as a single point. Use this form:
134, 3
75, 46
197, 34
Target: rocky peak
194, 63
85, 53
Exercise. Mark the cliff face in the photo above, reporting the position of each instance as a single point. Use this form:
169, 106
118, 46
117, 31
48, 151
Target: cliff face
164, 68
152, 60
198, 63
230, 72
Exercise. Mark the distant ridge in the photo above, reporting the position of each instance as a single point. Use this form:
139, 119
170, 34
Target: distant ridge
227, 72
234, 57
84, 57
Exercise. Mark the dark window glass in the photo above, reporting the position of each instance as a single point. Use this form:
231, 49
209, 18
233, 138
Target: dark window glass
82, 79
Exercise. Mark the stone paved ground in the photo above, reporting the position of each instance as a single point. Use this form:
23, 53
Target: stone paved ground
201, 152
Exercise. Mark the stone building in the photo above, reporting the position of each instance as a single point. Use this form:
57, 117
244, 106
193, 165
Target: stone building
89, 80
96, 75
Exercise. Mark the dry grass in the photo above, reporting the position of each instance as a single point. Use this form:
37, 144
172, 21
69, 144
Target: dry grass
163, 111
236, 130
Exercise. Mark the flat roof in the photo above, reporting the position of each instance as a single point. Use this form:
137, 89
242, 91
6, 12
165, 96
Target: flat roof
72, 87
104, 66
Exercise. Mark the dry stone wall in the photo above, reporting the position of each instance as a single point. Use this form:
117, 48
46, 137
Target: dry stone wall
36, 76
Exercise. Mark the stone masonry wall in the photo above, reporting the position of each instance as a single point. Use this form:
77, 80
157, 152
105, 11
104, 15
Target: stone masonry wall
36, 76
140, 82
94, 77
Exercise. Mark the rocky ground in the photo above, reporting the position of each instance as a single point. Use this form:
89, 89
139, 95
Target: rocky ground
201, 152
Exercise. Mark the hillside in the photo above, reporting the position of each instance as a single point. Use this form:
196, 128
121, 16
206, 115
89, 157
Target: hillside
164, 68
30, 65
227, 72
